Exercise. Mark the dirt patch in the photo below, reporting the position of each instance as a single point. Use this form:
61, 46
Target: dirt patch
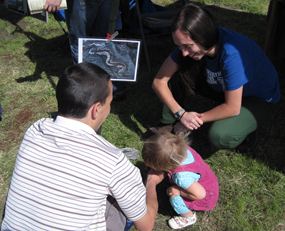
22, 25
23, 117
17, 29
6, 58
16, 127
16, 25
3, 34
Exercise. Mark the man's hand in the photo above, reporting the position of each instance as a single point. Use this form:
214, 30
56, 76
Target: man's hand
52, 5
155, 176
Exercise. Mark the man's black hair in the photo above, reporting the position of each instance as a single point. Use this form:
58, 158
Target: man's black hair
79, 87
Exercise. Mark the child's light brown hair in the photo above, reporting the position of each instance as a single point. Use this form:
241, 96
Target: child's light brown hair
164, 151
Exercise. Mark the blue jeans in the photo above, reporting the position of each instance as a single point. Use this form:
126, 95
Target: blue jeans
88, 18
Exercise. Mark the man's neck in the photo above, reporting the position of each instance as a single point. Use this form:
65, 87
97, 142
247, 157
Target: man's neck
84, 120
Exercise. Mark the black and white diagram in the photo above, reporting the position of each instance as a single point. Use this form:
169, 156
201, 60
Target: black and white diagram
119, 58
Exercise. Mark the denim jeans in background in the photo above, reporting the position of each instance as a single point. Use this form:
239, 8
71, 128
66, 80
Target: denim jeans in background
89, 18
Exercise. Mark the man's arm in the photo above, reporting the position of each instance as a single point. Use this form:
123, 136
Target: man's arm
148, 220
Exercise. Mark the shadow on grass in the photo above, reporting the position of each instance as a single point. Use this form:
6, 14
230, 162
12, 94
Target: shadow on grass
45, 53
142, 106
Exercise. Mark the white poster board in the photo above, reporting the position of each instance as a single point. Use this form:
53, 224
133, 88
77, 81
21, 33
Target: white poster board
119, 58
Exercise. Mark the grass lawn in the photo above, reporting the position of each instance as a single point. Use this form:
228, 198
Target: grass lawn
252, 185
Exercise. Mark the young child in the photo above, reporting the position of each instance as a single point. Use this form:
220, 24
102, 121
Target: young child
195, 185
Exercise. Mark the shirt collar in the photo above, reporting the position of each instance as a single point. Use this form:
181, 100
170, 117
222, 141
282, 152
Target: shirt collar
73, 124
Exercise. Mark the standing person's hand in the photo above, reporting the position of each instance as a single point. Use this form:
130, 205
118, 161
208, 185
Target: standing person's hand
192, 120
52, 5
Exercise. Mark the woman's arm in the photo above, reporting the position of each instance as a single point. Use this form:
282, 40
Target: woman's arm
230, 108
194, 192
160, 86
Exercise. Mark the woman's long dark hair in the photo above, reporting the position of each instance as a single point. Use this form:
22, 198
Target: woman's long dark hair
200, 26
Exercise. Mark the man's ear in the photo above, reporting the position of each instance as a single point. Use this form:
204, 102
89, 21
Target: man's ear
95, 110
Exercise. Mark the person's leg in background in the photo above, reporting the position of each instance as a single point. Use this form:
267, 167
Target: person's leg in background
231, 132
90, 18
101, 28
80, 17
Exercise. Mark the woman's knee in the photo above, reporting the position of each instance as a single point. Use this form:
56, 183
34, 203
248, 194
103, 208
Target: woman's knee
224, 140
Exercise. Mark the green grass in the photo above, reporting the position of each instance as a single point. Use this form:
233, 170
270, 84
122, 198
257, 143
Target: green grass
253, 6
251, 185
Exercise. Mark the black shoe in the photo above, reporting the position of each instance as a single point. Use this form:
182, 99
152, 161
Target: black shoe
249, 142
158, 127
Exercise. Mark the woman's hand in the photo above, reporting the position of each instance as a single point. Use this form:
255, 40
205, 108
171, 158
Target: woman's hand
192, 120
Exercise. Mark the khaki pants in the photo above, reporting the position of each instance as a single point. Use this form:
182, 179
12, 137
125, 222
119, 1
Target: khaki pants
115, 218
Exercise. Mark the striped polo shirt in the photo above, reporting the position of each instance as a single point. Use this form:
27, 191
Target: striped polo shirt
62, 176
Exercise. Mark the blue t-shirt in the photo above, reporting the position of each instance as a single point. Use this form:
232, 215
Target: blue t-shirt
240, 62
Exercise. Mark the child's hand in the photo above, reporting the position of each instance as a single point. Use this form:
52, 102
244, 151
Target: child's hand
174, 191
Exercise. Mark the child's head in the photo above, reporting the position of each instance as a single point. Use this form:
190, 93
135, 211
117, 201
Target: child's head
164, 151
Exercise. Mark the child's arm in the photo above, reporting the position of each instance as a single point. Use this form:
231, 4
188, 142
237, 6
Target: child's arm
194, 192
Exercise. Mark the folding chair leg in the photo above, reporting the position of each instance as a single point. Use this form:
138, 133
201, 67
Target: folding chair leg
64, 43
143, 37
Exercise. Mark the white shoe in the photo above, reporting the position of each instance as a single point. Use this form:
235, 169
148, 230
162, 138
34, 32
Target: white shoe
179, 222
131, 153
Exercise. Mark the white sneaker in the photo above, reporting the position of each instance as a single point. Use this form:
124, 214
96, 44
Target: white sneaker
179, 222
131, 153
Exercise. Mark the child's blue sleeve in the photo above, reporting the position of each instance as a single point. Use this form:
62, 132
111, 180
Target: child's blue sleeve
185, 179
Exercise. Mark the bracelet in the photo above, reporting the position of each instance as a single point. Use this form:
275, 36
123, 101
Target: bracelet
182, 115
177, 114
